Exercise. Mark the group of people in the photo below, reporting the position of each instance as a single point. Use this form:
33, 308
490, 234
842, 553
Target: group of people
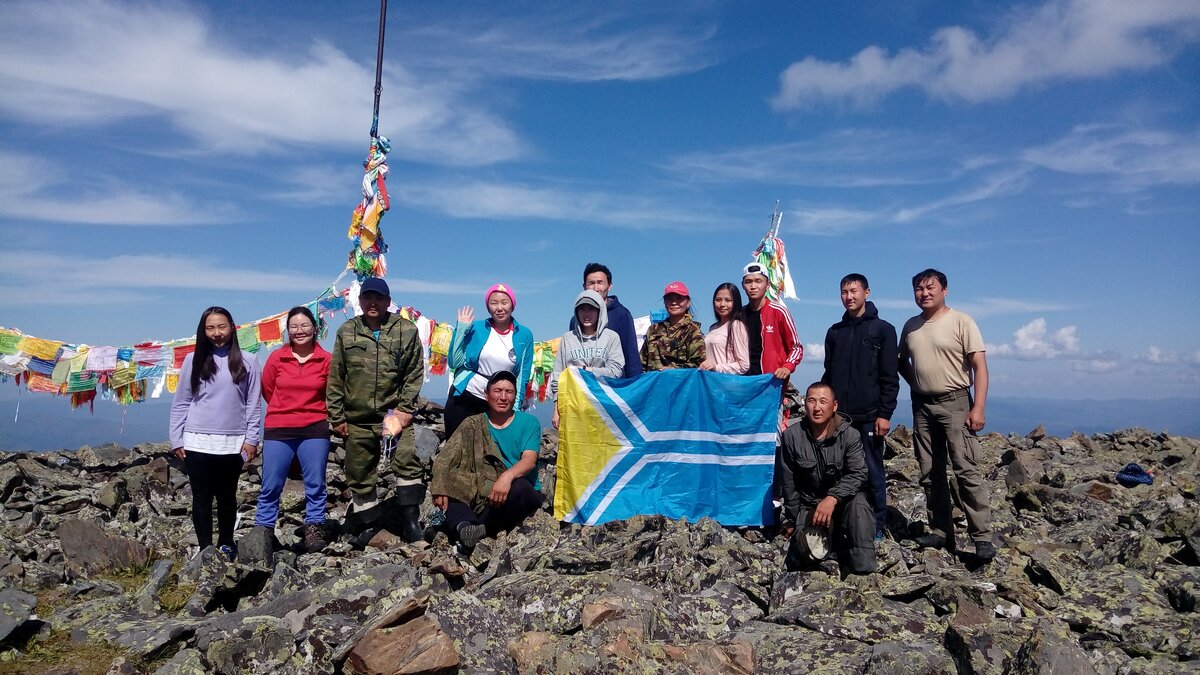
829, 469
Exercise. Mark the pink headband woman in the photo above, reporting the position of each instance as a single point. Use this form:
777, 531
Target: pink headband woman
502, 288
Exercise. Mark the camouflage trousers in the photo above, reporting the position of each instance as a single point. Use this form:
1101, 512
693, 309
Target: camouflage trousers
363, 454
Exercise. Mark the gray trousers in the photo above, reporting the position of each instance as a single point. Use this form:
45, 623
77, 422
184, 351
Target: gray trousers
940, 435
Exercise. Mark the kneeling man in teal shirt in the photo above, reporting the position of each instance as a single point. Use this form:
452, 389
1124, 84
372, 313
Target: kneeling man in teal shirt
485, 478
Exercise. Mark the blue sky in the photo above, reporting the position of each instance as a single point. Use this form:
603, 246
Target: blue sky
159, 157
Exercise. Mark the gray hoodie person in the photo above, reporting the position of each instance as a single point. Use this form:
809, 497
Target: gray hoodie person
600, 353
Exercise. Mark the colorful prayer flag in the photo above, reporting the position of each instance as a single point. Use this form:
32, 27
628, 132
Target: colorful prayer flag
39, 348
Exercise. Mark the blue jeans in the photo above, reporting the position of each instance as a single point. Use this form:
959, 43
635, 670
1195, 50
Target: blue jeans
876, 487
277, 459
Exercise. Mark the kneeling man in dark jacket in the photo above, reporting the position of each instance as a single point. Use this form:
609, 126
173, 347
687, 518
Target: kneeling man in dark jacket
822, 470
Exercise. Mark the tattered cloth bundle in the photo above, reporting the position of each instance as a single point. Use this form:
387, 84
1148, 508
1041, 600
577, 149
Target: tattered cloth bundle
366, 258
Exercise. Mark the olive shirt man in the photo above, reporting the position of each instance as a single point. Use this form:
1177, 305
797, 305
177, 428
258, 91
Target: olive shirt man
937, 357
371, 373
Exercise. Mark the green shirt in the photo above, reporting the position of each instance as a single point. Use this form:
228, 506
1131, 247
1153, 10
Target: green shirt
521, 435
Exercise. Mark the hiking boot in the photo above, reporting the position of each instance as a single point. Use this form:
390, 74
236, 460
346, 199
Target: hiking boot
314, 537
931, 541
470, 534
984, 550
229, 551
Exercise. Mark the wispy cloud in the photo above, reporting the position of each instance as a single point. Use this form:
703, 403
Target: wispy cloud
1134, 158
319, 184
846, 158
33, 188
993, 306
118, 61
1058, 40
471, 198
830, 221
1100, 366
998, 184
129, 278
576, 42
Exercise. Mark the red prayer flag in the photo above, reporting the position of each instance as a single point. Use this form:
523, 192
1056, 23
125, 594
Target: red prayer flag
181, 353
269, 331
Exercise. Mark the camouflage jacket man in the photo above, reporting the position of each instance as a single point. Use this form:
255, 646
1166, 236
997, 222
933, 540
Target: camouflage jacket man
368, 377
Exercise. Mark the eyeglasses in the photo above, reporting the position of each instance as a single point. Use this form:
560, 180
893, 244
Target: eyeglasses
303, 330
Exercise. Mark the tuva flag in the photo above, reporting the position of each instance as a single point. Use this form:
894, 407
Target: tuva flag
679, 443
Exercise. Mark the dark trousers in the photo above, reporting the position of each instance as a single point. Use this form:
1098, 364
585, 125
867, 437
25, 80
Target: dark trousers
876, 486
213, 476
853, 536
522, 501
458, 408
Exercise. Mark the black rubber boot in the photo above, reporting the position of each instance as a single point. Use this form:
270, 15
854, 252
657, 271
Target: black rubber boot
408, 501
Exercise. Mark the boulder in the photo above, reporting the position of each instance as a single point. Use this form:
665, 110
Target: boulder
89, 549
16, 607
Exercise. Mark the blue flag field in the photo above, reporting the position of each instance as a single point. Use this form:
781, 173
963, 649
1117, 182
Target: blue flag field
679, 443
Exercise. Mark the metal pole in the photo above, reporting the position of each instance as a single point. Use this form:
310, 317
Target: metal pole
379, 68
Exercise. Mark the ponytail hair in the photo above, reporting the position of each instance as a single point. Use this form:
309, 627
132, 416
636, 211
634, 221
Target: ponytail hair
204, 366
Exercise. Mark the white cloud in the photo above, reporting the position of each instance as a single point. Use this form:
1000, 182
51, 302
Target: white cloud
100, 61
1096, 366
814, 352
33, 188
1033, 341
1058, 40
1135, 158
1158, 356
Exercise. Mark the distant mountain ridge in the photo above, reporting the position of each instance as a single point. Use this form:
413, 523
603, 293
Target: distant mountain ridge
48, 423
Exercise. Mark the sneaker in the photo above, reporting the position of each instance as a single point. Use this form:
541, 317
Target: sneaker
314, 537
229, 551
931, 541
984, 550
879, 536
470, 534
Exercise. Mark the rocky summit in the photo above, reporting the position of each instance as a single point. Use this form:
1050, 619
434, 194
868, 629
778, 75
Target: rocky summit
99, 573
